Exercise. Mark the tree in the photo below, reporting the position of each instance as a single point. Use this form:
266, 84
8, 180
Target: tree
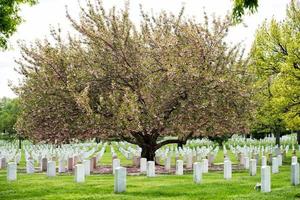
275, 57
169, 76
9, 111
240, 6
10, 19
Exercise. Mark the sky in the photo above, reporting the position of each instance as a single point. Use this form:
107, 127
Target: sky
51, 13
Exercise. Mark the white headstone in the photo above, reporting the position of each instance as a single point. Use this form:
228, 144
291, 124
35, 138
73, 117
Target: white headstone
11, 171
294, 159
205, 166
150, 168
263, 161
197, 172
30, 166
61, 166
189, 161
79, 173
143, 165
246, 164
265, 179
227, 169
275, 168
87, 167
120, 180
179, 167
252, 167
295, 174
279, 160
168, 163
116, 163
51, 168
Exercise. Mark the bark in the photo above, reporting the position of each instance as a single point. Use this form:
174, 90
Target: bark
277, 136
148, 152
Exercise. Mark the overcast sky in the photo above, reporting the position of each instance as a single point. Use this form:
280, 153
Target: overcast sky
52, 12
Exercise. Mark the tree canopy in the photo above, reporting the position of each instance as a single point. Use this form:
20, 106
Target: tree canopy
167, 76
276, 63
10, 18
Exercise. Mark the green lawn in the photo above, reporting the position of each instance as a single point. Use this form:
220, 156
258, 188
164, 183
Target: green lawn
38, 186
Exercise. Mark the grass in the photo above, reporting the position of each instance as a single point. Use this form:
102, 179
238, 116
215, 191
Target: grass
241, 186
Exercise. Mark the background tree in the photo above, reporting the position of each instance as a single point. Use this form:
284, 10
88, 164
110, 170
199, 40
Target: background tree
240, 6
9, 111
170, 76
10, 18
276, 62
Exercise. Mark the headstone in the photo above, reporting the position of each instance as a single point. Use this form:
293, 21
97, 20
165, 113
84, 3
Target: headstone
277, 151
205, 166
279, 160
94, 162
87, 167
270, 158
227, 169
30, 166
61, 166
3, 163
44, 164
294, 159
275, 168
51, 169
11, 171
210, 159
70, 163
246, 162
252, 167
116, 163
189, 161
150, 168
75, 160
242, 159
197, 172
143, 165
179, 167
136, 161
265, 179
168, 163
295, 174
120, 180
263, 161
92, 165
79, 173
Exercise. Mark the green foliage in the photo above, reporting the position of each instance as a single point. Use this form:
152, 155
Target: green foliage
9, 18
240, 6
276, 65
9, 111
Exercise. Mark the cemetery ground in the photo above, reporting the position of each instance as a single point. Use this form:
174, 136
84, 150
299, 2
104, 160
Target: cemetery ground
163, 186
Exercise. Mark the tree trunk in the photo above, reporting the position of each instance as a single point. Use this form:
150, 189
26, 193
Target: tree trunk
20, 143
298, 137
179, 145
148, 152
277, 136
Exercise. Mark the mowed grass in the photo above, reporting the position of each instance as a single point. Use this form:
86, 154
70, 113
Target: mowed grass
213, 186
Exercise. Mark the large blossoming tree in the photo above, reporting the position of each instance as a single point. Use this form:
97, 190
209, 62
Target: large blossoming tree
166, 76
